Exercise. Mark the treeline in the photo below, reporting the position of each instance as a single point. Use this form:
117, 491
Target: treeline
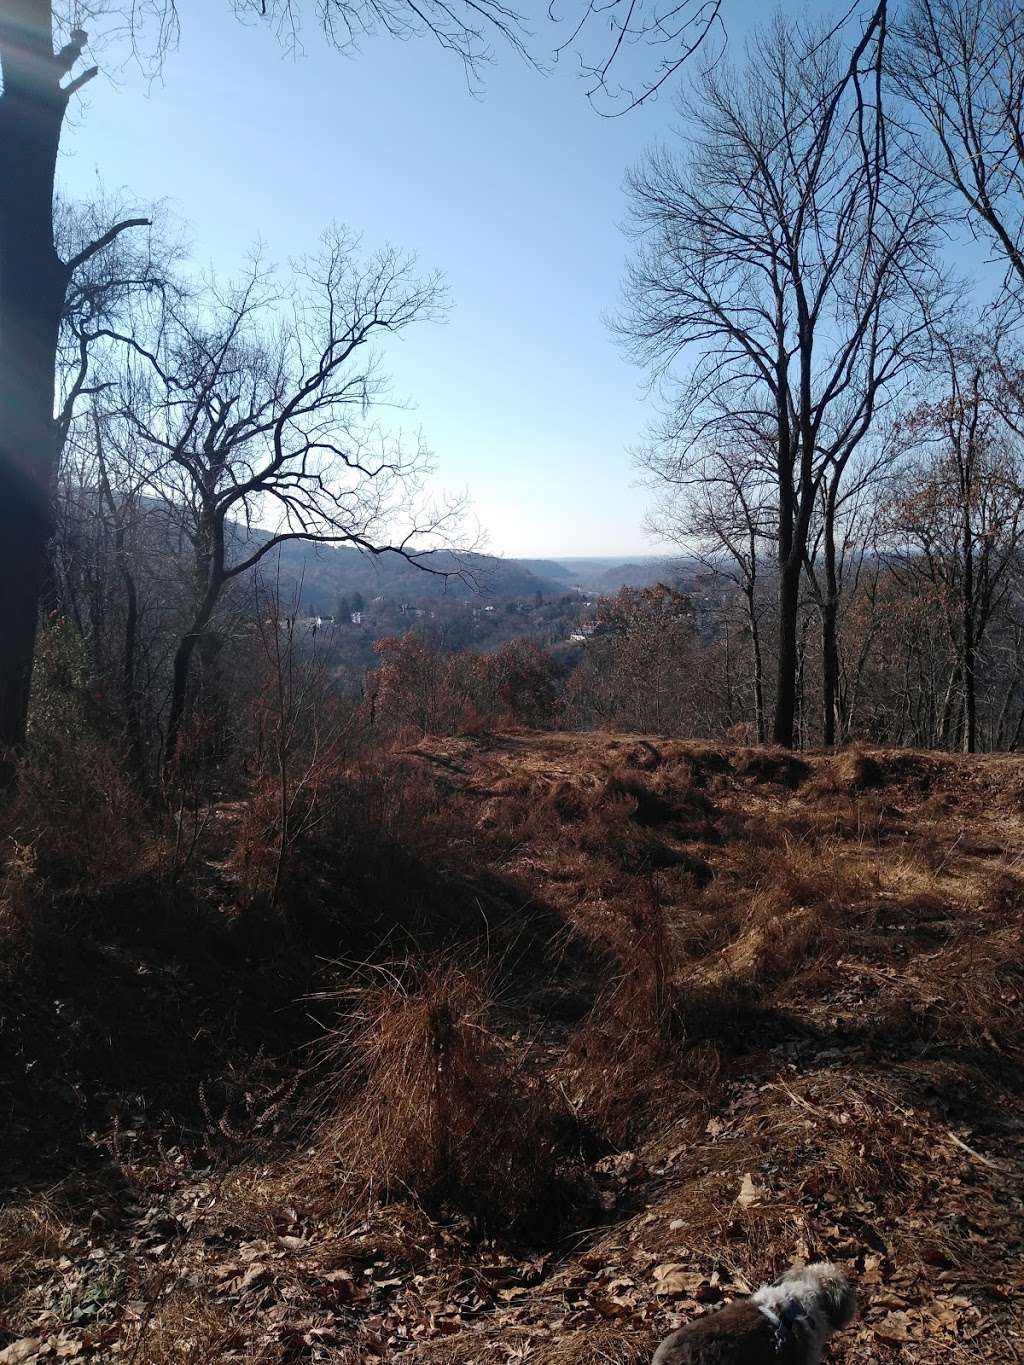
841, 406
841, 437
661, 662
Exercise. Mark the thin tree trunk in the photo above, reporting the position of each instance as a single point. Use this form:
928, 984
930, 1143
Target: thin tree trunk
829, 671
830, 625
789, 654
33, 282
946, 721
970, 716
757, 665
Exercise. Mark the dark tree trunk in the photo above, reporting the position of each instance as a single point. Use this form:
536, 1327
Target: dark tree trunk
789, 653
968, 615
210, 580
179, 694
830, 671
830, 624
33, 281
757, 666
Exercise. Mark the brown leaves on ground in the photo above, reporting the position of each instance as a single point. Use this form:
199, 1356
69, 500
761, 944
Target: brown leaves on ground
759, 1009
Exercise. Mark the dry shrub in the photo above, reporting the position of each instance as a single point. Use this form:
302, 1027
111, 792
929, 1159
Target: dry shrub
632, 1046
849, 773
18, 874
187, 1329
777, 767
80, 816
430, 1101
29, 1233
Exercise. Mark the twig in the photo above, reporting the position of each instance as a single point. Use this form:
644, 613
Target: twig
985, 1161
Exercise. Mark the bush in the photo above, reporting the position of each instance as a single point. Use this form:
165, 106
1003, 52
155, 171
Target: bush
429, 1101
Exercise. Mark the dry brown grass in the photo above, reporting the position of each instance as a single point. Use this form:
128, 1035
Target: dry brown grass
80, 818
795, 1031
430, 1102
187, 1328
607, 1345
29, 1232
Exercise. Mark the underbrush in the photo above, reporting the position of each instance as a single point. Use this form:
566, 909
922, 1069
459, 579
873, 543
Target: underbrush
78, 818
29, 1232
785, 981
431, 1103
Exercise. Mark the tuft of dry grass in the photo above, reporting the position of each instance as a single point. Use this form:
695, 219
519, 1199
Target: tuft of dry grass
429, 1101
776, 767
603, 1345
29, 1232
632, 1046
187, 1329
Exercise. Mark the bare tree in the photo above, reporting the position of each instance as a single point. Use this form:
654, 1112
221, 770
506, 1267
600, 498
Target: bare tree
958, 521
42, 43
253, 408
959, 64
718, 508
790, 245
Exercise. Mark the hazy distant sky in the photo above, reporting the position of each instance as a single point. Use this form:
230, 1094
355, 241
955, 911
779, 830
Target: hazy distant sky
516, 195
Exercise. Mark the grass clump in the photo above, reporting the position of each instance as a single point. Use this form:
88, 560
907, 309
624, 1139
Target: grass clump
429, 1101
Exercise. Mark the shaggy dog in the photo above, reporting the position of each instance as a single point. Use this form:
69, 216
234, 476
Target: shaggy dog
785, 1323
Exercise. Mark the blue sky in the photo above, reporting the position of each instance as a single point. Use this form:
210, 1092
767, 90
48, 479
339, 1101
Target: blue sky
515, 195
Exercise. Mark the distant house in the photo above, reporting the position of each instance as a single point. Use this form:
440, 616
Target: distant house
357, 618
593, 630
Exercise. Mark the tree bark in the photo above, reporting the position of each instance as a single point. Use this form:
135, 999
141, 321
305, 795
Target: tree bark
33, 282
789, 654
757, 665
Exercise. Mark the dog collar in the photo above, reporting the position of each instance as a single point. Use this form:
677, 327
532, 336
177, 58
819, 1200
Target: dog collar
784, 1322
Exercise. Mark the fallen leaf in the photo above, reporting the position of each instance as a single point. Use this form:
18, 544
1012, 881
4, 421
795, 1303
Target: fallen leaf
750, 1194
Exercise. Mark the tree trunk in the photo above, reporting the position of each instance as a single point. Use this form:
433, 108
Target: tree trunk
181, 672
829, 671
970, 696
33, 281
946, 721
757, 665
785, 696
969, 634
830, 623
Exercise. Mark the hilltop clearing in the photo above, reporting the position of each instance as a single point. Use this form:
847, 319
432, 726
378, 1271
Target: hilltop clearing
554, 1041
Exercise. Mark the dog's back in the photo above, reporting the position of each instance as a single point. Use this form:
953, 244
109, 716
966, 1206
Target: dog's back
738, 1334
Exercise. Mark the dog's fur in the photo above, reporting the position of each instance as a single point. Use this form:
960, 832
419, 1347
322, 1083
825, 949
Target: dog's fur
787, 1322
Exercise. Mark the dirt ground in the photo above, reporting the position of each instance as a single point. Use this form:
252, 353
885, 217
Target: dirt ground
774, 1004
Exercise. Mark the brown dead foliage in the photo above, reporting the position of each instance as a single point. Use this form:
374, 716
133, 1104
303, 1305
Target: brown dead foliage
187, 1329
776, 766
431, 1102
811, 1048
29, 1231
